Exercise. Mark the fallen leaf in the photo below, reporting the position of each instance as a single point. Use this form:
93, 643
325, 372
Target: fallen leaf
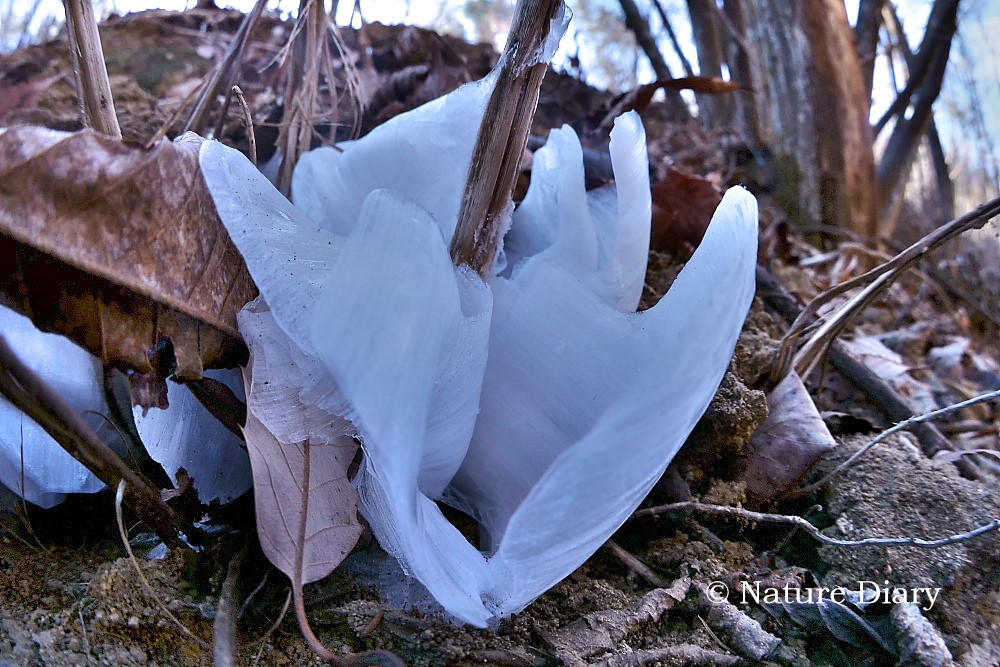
711, 85
307, 510
602, 631
119, 248
639, 97
890, 367
24, 94
683, 205
788, 443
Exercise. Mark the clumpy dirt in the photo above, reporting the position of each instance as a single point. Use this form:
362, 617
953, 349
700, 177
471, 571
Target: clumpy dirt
893, 491
81, 602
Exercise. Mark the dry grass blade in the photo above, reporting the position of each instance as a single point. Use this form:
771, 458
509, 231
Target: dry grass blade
222, 76
92, 84
310, 65
876, 282
503, 135
119, 495
30, 393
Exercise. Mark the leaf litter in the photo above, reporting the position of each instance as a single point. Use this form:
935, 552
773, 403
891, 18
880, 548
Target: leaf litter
48, 624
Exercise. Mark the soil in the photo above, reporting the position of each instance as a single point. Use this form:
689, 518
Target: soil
69, 595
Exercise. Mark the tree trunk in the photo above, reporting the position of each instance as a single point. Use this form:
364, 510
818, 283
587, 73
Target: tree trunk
708, 40
811, 99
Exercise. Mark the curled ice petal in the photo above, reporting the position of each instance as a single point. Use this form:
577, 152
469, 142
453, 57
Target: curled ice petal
186, 435
664, 376
32, 464
423, 155
558, 406
602, 236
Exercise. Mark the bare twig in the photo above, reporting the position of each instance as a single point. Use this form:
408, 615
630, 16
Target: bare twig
224, 627
902, 426
222, 75
743, 634
92, 83
799, 522
681, 654
876, 282
503, 135
119, 495
32, 395
248, 122
636, 565
274, 626
665, 20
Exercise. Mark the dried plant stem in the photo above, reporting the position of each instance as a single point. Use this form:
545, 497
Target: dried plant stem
636, 565
901, 426
224, 627
813, 531
876, 282
503, 135
32, 395
271, 630
92, 84
119, 495
248, 122
222, 75
310, 60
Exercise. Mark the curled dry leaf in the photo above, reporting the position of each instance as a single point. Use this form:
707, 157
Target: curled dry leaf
119, 248
683, 205
788, 443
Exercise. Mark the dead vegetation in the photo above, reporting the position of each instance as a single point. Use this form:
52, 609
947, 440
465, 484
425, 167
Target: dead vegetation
915, 511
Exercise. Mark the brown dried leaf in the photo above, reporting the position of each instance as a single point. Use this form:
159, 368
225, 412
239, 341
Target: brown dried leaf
603, 630
788, 443
307, 510
119, 248
683, 205
23, 94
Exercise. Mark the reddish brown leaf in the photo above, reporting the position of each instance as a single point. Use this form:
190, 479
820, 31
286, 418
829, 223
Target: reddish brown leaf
639, 97
788, 443
683, 205
119, 248
711, 85
24, 94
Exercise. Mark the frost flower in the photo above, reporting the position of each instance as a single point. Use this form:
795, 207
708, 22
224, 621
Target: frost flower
536, 401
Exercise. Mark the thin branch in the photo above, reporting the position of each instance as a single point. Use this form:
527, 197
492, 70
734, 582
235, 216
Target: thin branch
221, 77
503, 135
37, 399
906, 133
92, 83
119, 495
224, 627
633, 563
876, 282
901, 426
942, 13
685, 63
813, 531
639, 26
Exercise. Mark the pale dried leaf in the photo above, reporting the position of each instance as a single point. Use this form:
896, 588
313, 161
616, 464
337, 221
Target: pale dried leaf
119, 247
307, 510
788, 443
